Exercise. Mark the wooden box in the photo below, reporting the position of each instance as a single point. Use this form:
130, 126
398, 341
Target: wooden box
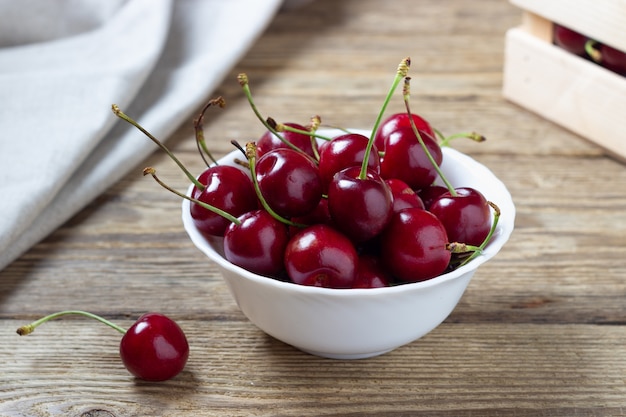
564, 88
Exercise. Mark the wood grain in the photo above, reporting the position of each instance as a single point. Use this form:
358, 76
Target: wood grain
541, 330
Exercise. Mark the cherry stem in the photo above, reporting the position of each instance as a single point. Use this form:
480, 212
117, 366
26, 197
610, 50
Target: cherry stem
407, 98
29, 328
591, 47
403, 69
280, 127
226, 215
251, 155
445, 141
245, 85
199, 131
494, 224
121, 115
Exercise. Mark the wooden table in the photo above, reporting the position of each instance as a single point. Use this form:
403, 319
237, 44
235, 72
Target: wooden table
541, 330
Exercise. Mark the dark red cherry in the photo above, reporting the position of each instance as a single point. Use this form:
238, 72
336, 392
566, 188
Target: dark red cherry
403, 195
430, 194
406, 160
399, 121
154, 348
289, 182
345, 151
569, 40
371, 273
360, 208
268, 141
613, 59
320, 256
466, 217
257, 243
414, 245
227, 188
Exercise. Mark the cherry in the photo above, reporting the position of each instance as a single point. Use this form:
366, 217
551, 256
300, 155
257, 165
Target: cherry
257, 243
414, 245
403, 195
320, 256
345, 151
154, 348
270, 141
405, 158
430, 194
607, 56
289, 181
400, 121
227, 188
465, 215
569, 40
360, 206
371, 273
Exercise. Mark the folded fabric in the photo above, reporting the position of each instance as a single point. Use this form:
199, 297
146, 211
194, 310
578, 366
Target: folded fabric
64, 62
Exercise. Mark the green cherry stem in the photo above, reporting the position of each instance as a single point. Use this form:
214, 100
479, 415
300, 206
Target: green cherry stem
119, 113
199, 131
245, 85
591, 47
402, 71
406, 92
251, 155
29, 328
151, 171
445, 141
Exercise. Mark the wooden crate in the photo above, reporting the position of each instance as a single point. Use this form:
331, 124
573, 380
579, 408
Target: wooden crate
566, 89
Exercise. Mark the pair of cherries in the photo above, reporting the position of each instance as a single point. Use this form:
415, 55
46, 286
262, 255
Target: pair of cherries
578, 44
154, 348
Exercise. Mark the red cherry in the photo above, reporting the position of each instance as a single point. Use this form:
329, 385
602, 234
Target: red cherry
227, 188
371, 273
289, 182
414, 245
403, 195
399, 121
466, 216
360, 208
154, 348
569, 40
320, 256
613, 59
269, 141
430, 194
345, 151
406, 160
257, 243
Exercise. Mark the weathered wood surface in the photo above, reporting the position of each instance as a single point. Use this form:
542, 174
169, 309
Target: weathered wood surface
541, 330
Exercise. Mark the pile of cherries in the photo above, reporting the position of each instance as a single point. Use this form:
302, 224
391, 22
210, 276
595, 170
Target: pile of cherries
578, 44
348, 211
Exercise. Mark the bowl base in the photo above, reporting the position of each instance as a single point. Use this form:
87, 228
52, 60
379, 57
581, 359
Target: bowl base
348, 356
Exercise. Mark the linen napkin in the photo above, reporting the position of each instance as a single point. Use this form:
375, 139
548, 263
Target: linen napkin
64, 62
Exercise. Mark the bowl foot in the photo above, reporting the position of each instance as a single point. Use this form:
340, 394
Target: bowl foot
347, 356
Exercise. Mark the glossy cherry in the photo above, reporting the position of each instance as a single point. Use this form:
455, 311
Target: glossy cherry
400, 121
154, 348
227, 188
269, 141
406, 160
360, 207
403, 195
466, 215
256, 243
320, 256
289, 181
345, 151
371, 273
570, 40
414, 245
430, 194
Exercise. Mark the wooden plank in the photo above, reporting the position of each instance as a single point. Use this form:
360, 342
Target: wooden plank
603, 20
565, 89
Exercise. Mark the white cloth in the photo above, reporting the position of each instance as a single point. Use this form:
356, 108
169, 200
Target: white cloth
64, 62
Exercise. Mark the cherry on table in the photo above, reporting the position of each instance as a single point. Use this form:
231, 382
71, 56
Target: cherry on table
154, 348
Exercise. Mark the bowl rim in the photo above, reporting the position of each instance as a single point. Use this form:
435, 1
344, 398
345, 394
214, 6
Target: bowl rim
503, 231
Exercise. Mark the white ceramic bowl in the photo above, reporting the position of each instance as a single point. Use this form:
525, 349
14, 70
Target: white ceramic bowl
359, 323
